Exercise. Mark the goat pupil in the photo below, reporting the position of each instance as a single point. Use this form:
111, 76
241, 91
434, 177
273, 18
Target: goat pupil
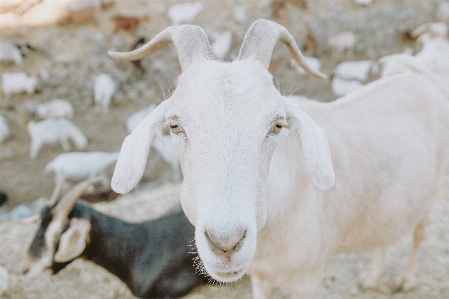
173, 126
278, 126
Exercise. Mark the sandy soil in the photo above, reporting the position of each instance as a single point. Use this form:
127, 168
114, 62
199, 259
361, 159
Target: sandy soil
24, 181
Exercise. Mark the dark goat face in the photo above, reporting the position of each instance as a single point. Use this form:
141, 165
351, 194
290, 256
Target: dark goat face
57, 242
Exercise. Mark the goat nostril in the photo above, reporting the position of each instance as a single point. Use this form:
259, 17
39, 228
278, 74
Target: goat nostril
225, 244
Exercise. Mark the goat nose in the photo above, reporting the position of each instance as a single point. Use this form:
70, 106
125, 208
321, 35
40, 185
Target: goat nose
225, 244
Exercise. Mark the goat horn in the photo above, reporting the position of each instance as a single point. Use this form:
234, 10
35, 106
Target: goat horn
68, 201
260, 40
190, 41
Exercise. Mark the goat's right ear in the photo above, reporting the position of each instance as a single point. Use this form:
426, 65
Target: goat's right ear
134, 152
73, 241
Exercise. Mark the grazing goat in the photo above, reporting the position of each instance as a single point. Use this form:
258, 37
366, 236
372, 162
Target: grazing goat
15, 82
342, 45
152, 258
78, 166
274, 188
52, 131
104, 89
56, 108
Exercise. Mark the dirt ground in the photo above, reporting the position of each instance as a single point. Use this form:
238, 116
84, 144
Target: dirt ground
24, 181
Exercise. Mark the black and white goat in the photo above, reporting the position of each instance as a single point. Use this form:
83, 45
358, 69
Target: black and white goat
152, 258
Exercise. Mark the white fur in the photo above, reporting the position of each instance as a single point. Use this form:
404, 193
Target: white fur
56, 108
104, 89
9, 52
350, 175
432, 60
53, 131
15, 82
136, 118
164, 147
355, 70
435, 56
80, 165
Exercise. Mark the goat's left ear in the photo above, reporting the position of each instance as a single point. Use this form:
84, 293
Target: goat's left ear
134, 152
73, 241
315, 148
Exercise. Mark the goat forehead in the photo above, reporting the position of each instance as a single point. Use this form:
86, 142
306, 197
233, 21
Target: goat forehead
235, 91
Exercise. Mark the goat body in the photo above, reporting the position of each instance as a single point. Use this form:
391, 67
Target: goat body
152, 258
104, 89
55, 109
273, 187
15, 82
80, 165
9, 52
52, 131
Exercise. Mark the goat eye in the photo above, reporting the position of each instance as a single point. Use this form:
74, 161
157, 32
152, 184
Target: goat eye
175, 128
277, 127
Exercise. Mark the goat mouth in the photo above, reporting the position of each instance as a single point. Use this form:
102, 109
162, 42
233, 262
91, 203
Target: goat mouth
229, 276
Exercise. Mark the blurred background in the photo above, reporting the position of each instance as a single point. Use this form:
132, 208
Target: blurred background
62, 48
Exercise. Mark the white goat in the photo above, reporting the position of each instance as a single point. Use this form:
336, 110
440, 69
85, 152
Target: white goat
433, 60
15, 82
9, 52
355, 70
4, 129
274, 188
78, 166
342, 45
52, 131
56, 108
104, 89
